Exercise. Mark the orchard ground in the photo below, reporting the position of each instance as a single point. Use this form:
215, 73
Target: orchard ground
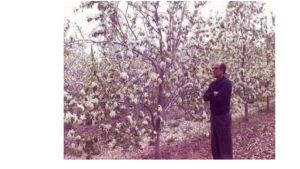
188, 139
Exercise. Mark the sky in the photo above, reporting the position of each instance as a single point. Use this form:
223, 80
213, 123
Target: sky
81, 17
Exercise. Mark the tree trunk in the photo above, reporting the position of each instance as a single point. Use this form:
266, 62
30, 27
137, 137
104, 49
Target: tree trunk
244, 88
157, 124
246, 112
268, 104
268, 98
157, 141
157, 146
160, 93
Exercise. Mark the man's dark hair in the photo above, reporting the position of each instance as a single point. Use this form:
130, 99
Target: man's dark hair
223, 67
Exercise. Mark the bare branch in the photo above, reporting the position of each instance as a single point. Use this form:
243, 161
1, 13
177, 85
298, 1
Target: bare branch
80, 32
128, 22
151, 113
170, 103
179, 33
147, 20
145, 56
159, 30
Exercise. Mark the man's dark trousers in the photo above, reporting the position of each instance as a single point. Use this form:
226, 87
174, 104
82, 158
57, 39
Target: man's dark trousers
221, 141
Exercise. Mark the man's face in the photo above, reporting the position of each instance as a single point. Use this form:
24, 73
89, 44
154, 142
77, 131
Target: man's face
216, 70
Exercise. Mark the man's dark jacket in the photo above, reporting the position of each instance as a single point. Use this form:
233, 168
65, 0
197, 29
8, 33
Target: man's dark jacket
219, 104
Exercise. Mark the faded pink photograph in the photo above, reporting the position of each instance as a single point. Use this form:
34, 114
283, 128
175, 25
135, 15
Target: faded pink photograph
169, 80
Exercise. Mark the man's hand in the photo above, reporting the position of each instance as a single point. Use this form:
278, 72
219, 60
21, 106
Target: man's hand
215, 93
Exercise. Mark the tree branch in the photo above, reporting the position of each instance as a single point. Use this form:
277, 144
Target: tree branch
179, 33
151, 113
127, 22
159, 30
145, 56
148, 21
80, 32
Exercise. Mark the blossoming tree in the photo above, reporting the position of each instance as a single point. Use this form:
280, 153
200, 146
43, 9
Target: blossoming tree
152, 69
151, 62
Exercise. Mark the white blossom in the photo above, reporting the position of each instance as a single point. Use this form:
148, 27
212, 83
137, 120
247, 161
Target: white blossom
162, 65
130, 47
119, 125
89, 105
107, 127
204, 115
72, 102
68, 117
145, 95
80, 148
79, 121
80, 107
99, 75
123, 107
82, 92
142, 49
73, 145
135, 101
121, 96
94, 114
147, 83
131, 96
94, 84
112, 114
115, 104
154, 76
207, 134
69, 98
147, 118
82, 117
180, 100
186, 66
66, 94
188, 84
117, 130
112, 144
160, 109
108, 80
155, 42
115, 4
129, 119
107, 106
78, 137
159, 80
141, 89
168, 60
145, 122
71, 133
124, 75
134, 87
142, 114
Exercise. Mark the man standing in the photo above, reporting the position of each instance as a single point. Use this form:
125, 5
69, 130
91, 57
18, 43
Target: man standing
219, 95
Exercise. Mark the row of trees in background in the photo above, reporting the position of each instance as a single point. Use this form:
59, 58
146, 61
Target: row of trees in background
149, 63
